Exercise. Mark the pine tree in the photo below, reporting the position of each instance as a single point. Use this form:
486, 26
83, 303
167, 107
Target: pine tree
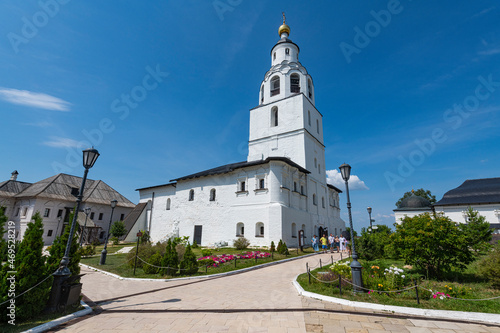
170, 260
280, 245
59, 247
31, 269
477, 231
273, 247
189, 264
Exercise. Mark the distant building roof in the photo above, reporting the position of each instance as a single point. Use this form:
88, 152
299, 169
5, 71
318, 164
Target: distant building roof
333, 188
233, 166
66, 187
148, 187
10, 188
473, 191
414, 202
132, 217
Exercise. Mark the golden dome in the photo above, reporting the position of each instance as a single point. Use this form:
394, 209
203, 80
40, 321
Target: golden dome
284, 27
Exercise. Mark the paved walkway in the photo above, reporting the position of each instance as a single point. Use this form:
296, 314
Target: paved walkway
261, 300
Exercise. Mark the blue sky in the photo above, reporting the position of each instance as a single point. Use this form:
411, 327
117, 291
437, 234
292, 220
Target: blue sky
409, 90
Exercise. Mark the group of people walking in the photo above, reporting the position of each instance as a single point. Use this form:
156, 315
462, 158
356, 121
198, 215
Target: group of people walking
340, 244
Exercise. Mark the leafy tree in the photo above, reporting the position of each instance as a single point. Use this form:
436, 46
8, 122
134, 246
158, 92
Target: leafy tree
153, 261
59, 247
348, 230
170, 260
432, 243
489, 266
118, 229
421, 193
3, 243
371, 245
30, 266
189, 264
477, 231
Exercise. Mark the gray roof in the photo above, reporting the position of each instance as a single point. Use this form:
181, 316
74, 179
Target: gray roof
66, 187
334, 188
81, 221
10, 188
233, 166
473, 191
132, 217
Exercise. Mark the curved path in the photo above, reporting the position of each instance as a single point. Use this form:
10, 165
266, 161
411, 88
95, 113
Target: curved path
262, 300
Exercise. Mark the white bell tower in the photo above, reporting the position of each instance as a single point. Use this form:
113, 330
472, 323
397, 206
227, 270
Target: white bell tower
286, 123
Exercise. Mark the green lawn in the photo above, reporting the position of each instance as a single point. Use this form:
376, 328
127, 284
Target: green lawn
117, 264
464, 285
42, 319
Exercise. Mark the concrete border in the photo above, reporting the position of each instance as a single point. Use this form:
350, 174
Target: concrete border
238, 271
475, 317
62, 320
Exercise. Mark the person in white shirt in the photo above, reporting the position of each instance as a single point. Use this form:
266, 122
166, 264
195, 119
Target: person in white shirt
331, 241
342, 243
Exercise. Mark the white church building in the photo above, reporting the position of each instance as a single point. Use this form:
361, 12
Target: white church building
279, 190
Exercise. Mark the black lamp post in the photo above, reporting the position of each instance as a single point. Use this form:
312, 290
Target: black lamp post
105, 251
62, 273
87, 212
369, 209
345, 170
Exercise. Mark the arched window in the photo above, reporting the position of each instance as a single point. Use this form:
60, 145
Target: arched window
287, 51
212, 194
309, 117
304, 229
314, 200
317, 125
243, 187
319, 168
262, 94
275, 85
274, 56
191, 195
295, 186
168, 204
294, 230
309, 88
302, 189
259, 229
274, 116
262, 183
315, 162
323, 202
294, 83
240, 229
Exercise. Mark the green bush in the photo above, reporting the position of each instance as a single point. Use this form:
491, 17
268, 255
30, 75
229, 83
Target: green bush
342, 268
155, 260
146, 250
241, 243
114, 240
86, 251
180, 249
206, 252
170, 260
195, 245
282, 248
432, 243
273, 247
489, 267
189, 265
205, 262
372, 244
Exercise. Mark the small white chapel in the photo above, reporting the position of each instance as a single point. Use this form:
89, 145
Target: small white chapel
277, 192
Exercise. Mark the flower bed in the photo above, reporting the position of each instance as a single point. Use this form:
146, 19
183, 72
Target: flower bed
223, 258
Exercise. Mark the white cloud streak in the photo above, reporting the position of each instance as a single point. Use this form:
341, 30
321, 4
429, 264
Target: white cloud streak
34, 99
58, 142
334, 178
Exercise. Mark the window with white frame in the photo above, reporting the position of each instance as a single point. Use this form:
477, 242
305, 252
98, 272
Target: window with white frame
25, 212
212, 194
295, 186
168, 204
274, 116
302, 190
47, 212
260, 182
294, 230
242, 185
259, 229
275, 85
17, 211
314, 200
49, 233
309, 117
323, 202
240, 229
191, 195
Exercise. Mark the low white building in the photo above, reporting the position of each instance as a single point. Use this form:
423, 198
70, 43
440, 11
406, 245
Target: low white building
279, 190
55, 199
483, 195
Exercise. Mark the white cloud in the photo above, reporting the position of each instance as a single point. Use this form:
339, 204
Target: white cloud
29, 98
334, 178
59, 142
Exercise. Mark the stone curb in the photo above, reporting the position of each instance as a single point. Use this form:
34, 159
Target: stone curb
473, 317
200, 276
62, 320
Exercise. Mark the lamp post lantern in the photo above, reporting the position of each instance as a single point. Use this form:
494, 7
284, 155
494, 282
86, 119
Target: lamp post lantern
87, 212
345, 171
369, 209
62, 273
104, 252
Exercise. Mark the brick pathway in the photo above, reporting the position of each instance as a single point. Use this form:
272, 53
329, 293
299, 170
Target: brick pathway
262, 300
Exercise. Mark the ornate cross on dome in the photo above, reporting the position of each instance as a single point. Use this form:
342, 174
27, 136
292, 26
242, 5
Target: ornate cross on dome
284, 18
